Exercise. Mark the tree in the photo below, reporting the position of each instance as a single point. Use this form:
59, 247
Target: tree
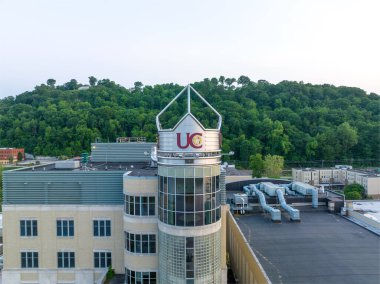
256, 164
138, 86
230, 81
243, 80
347, 137
302, 122
353, 195
92, 80
221, 80
72, 85
273, 165
19, 156
311, 147
10, 159
51, 83
355, 187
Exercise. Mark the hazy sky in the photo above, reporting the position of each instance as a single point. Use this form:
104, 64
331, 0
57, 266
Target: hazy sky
320, 41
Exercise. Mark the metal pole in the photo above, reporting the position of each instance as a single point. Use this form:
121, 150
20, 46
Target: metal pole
188, 98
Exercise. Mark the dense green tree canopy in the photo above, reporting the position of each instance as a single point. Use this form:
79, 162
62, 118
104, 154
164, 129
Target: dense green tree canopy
354, 191
295, 120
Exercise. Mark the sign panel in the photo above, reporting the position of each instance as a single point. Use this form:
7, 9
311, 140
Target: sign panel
193, 140
189, 136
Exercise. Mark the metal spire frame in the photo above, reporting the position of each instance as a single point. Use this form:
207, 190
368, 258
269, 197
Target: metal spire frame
188, 88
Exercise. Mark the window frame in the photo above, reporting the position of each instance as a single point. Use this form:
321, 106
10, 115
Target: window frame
98, 260
133, 276
134, 205
29, 255
136, 243
103, 231
69, 257
32, 228
60, 229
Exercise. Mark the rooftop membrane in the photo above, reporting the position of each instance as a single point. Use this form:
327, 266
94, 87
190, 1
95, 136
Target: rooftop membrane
322, 248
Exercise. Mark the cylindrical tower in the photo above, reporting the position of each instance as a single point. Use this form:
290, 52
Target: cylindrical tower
189, 207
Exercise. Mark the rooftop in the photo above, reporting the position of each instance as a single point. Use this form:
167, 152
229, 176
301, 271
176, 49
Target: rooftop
135, 169
322, 248
232, 171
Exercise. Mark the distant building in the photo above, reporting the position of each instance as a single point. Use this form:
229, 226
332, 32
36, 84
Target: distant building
339, 175
7, 154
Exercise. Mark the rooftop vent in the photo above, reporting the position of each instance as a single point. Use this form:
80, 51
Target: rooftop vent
68, 164
130, 139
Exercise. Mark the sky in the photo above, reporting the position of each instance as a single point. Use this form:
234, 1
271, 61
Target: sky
326, 41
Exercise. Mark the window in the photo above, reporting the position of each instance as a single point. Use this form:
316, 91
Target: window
66, 259
102, 259
29, 259
140, 205
65, 228
190, 257
137, 243
28, 228
190, 201
102, 228
132, 277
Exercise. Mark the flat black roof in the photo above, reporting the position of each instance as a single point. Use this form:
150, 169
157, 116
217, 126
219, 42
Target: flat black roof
232, 171
322, 248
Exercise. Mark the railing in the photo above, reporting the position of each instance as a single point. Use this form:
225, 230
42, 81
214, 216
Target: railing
102, 277
130, 139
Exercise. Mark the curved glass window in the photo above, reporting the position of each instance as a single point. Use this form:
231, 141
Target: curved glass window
139, 205
134, 277
189, 196
138, 243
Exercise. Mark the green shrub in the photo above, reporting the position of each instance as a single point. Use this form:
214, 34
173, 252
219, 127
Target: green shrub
110, 273
353, 195
355, 188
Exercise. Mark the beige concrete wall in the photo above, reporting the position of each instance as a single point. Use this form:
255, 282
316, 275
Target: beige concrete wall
243, 261
141, 262
139, 185
373, 186
48, 244
223, 239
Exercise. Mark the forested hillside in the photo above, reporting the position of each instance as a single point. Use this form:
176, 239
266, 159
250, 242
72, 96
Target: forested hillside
298, 121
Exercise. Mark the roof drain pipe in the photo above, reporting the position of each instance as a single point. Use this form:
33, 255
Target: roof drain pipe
294, 213
307, 189
275, 213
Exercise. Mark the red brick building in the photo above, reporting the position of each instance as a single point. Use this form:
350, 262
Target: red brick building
6, 153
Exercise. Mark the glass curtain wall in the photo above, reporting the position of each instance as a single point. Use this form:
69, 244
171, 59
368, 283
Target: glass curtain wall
189, 196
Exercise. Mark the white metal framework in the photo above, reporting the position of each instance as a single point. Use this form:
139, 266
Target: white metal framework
188, 88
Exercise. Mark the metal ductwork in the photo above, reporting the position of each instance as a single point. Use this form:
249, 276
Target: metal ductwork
294, 213
306, 189
275, 213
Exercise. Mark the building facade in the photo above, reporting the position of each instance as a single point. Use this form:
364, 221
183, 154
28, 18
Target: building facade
369, 180
153, 214
10, 154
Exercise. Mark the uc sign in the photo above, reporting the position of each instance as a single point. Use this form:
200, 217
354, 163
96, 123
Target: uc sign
194, 140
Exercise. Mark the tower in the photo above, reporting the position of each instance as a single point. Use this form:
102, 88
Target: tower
189, 203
